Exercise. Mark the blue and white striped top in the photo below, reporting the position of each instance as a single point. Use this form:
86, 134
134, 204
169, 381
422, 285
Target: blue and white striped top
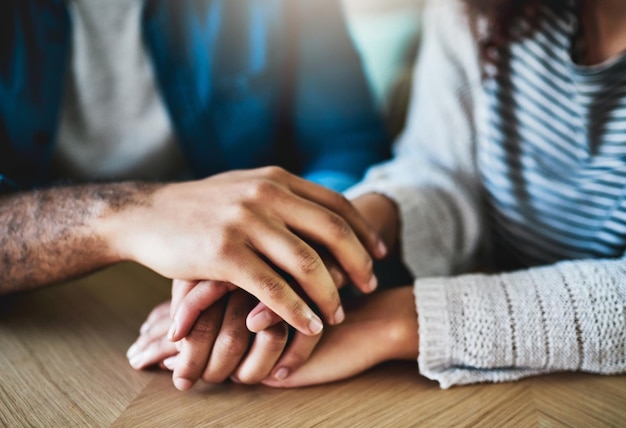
553, 161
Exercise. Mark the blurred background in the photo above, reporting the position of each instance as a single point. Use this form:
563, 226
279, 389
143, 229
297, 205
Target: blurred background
386, 33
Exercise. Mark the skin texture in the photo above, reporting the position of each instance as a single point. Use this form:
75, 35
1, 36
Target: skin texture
201, 355
378, 328
233, 228
605, 37
356, 345
51, 235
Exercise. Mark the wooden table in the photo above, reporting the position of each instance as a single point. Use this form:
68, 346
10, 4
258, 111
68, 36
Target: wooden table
62, 363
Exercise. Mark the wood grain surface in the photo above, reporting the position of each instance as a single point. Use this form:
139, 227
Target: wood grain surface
62, 363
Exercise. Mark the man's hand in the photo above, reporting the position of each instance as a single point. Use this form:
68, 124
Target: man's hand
234, 228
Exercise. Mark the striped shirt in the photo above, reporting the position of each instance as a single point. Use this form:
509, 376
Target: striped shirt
553, 158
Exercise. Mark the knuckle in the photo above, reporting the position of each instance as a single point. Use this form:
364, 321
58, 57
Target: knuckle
297, 357
261, 190
225, 247
232, 343
203, 330
308, 260
298, 309
239, 214
272, 286
189, 369
340, 228
274, 338
342, 203
273, 172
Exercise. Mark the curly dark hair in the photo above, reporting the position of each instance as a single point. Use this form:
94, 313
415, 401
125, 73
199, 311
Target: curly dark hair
500, 17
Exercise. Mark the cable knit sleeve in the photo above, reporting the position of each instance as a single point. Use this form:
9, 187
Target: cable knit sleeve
432, 176
566, 317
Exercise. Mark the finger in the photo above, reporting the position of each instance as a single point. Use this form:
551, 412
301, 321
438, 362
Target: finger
298, 352
191, 305
260, 318
329, 229
157, 329
294, 256
196, 347
338, 204
154, 353
158, 313
180, 288
152, 347
266, 349
233, 339
340, 278
254, 275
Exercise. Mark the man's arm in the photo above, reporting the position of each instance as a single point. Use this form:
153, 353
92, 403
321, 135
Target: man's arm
234, 228
52, 235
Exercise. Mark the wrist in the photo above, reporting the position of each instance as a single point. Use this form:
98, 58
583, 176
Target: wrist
402, 328
121, 215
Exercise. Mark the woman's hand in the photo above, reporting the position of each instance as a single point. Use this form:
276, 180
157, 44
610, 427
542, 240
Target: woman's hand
380, 327
220, 346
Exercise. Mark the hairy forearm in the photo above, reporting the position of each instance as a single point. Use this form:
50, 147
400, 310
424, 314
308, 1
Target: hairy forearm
55, 234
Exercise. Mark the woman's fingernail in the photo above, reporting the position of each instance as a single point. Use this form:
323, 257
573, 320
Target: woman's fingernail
136, 362
170, 363
144, 327
234, 379
339, 315
315, 325
373, 283
132, 351
172, 331
381, 248
182, 384
261, 320
281, 373
337, 276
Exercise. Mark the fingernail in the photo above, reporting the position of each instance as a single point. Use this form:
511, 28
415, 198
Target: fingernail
382, 248
339, 315
144, 327
260, 321
170, 363
132, 351
373, 283
172, 331
234, 379
182, 384
281, 373
337, 277
315, 325
136, 361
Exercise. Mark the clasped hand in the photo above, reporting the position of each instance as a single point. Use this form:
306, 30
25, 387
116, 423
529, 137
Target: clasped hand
236, 229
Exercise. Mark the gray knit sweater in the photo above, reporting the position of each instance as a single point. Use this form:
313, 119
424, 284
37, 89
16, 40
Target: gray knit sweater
564, 307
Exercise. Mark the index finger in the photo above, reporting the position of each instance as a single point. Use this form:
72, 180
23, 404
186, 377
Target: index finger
340, 205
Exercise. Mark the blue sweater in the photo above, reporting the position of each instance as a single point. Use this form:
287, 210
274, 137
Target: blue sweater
246, 83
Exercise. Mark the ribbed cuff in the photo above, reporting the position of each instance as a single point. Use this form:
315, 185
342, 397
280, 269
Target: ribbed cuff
434, 329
